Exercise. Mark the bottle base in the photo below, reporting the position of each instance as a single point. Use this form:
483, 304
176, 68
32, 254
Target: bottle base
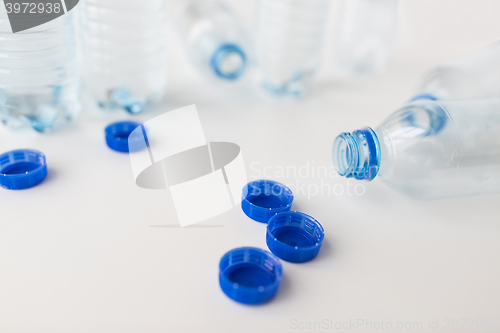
122, 98
43, 112
297, 86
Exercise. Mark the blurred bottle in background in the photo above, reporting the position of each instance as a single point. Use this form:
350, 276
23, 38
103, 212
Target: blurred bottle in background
289, 35
428, 149
39, 83
475, 75
124, 52
367, 35
215, 38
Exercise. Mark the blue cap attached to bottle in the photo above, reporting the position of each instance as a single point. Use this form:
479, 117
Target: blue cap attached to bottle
119, 138
22, 168
263, 198
294, 236
250, 275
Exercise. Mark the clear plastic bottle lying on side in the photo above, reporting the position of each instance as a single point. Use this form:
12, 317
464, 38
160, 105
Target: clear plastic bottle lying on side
289, 35
428, 149
367, 35
39, 84
475, 75
215, 39
124, 52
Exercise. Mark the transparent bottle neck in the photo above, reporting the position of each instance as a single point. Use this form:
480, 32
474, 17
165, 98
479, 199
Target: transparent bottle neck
424, 96
357, 154
228, 61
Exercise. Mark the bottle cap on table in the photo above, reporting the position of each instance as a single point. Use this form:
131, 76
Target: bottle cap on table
250, 275
263, 198
118, 136
22, 168
294, 236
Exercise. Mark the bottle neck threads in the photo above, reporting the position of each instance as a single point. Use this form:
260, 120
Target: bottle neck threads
357, 154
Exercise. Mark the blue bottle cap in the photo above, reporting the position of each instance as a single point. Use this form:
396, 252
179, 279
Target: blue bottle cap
263, 198
22, 168
117, 136
294, 236
250, 275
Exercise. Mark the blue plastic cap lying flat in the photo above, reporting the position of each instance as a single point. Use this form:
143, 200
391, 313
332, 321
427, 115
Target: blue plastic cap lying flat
117, 136
250, 275
263, 198
294, 236
22, 168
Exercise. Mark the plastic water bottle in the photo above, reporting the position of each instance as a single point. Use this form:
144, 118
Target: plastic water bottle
367, 35
473, 76
124, 52
215, 39
39, 84
289, 35
428, 149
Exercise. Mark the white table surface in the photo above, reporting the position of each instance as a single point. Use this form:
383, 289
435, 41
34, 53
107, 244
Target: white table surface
89, 251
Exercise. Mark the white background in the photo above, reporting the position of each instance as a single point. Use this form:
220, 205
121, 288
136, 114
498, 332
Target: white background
88, 251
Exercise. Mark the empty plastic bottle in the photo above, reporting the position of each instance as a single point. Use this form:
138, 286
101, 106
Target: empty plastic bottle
367, 34
215, 39
428, 149
289, 35
124, 52
473, 76
39, 84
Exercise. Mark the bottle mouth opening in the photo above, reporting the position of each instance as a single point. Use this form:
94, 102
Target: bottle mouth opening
344, 154
229, 62
423, 96
357, 154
